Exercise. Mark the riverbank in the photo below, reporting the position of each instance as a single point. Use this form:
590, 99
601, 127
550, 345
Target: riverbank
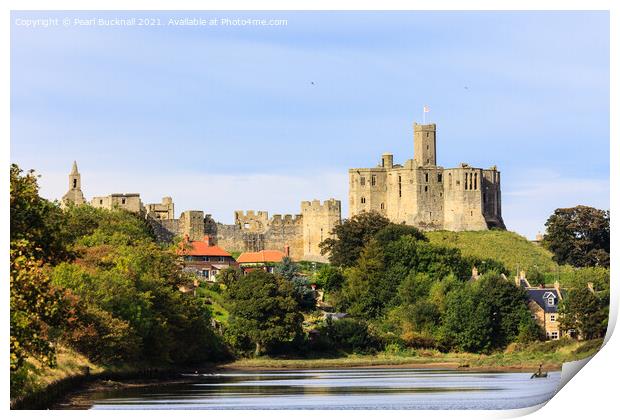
516, 358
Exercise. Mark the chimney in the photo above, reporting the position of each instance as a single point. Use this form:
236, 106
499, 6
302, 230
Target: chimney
207, 240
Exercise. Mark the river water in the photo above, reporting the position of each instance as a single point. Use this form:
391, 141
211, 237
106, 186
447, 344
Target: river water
338, 389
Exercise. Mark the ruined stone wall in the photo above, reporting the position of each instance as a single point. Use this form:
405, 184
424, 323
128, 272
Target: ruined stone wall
191, 224
130, 202
163, 210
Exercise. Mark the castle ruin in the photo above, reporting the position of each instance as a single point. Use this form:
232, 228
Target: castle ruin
420, 193
296, 235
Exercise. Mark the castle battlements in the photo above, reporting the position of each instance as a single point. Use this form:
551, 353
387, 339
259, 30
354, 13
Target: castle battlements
315, 205
421, 193
285, 219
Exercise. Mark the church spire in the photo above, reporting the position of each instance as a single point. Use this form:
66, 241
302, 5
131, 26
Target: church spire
74, 195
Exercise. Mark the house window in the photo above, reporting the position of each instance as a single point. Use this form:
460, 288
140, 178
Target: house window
552, 317
205, 273
550, 301
362, 180
555, 335
363, 200
373, 180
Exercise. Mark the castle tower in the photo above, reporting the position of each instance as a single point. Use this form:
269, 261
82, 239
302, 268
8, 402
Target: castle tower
319, 219
424, 144
74, 195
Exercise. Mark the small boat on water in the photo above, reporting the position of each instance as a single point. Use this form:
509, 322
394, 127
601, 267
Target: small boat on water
539, 373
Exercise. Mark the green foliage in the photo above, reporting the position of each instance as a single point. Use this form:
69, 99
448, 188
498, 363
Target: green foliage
486, 314
329, 278
349, 335
393, 232
36, 220
511, 250
37, 308
584, 312
263, 311
579, 236
351, 236
304, 294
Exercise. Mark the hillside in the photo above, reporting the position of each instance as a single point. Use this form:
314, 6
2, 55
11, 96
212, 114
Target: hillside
509, 248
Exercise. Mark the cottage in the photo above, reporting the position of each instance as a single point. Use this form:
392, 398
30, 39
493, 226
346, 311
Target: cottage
543, 304
205, 259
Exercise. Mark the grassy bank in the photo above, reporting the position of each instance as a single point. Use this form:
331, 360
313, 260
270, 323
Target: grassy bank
509, 248
552, 354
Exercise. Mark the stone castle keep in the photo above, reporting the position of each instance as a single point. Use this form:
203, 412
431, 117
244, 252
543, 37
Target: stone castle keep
422, 194
417, 193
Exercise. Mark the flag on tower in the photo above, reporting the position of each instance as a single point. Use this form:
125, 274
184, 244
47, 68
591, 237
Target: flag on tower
426, 109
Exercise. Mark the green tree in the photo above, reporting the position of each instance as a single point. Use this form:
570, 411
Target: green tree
393, 232
263, 311
583, 311
304, 294
330, 278
360, 294
37, 308
351, 236
35, 219
485, 314
579, 236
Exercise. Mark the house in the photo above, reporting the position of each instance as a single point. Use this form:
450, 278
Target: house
262, 260
205, 259
543, 304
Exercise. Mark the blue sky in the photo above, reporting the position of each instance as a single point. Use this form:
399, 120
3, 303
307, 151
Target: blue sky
226, 118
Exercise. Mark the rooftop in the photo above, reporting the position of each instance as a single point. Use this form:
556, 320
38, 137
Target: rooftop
267, 255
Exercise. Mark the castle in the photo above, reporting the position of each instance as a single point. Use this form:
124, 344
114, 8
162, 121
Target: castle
418, 193
422, 194
297, 235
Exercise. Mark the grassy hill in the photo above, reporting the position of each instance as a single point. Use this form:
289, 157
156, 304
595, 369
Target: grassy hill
509, 248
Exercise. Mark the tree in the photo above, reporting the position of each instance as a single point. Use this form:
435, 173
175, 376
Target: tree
485, 314
329, 278
360, 294
351, 236
393, 232
262, 311
35, 219
37, 308
289, 271
579, 236
584, 312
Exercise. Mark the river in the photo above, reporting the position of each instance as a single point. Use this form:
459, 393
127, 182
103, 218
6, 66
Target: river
357, 388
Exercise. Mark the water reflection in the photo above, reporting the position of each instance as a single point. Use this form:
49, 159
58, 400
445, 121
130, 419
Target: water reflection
339, 389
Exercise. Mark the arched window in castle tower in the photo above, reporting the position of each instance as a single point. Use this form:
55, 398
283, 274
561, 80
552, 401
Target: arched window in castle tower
362, 180
475, 181
426, 177
363, 200
450, 180
74, 183
373, 180
400, 191
465, 180
439, 178
470, 179
382, 206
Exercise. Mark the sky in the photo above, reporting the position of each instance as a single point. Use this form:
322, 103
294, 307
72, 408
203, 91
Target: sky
224, 118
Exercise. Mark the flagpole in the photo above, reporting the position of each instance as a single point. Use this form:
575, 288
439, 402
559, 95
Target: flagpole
423, 116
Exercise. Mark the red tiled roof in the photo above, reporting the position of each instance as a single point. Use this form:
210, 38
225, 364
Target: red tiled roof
202, 249
264, 256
